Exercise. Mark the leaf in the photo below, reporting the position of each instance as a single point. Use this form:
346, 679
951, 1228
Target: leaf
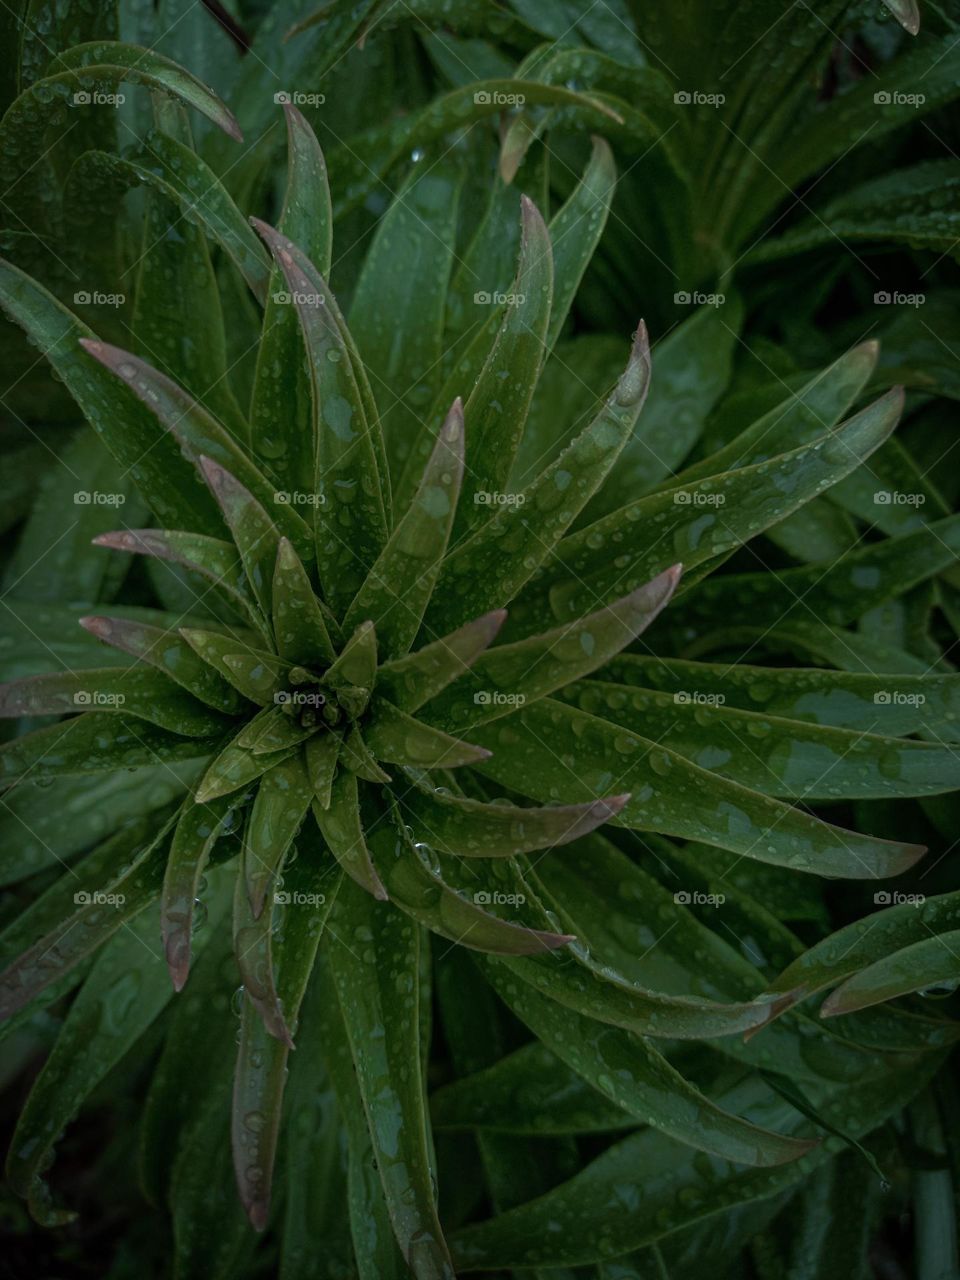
512, 675
261, 1058
670, 795
350, 512
199, 827
930, 966
93, 743
866, 942
711, 516
213, 559
395, 593
270, 731
906, 12
235, 767
281, 804
357, 663
774, 756
321, 754
167, 652
254, 532
405, 276
198, 434
397, 738
298, 622
280, 410
136, 691
131, 433
380, 987
254, 673
420, 891
357, 757
123, 994
628, 1072
340, 823
414, 679
474, 829
490, 567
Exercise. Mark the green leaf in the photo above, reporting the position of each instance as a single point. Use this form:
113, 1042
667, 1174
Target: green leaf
254, 532
380, 987
254, 673
928, 966
198, 828
281, 804
137, 691
631, 1074
397, 738
213, 559
398, 308
395, 593
125, 991
420, 890
235, 767
270, 731
414, 679
866, 942
474, 829
262, 1057
280, 411
340, 824
512, 675
198, 434
298, 621
168, 652
357, 664
710, 516
350, 511
357, 757
490, 567
774, 756
673, 796
321, 754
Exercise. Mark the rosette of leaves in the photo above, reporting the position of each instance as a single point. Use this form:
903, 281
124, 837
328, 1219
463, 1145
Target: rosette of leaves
395, 657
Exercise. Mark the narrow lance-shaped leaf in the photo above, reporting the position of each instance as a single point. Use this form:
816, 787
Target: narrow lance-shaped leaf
254, 673
395, 593
198, 433
254, 532
281, 804
261, 1068
673, 796
350, 512
342, 828
414, 679
380, 987
421, 891
576, 228
511, 675
198, 828
356, 756
397, 738
929, 966
213, 559
491, 566
235, 767
320, 755
357, 663
298, 622
280, 412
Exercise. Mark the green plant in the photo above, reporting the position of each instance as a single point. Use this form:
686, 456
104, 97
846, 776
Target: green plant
386, 660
